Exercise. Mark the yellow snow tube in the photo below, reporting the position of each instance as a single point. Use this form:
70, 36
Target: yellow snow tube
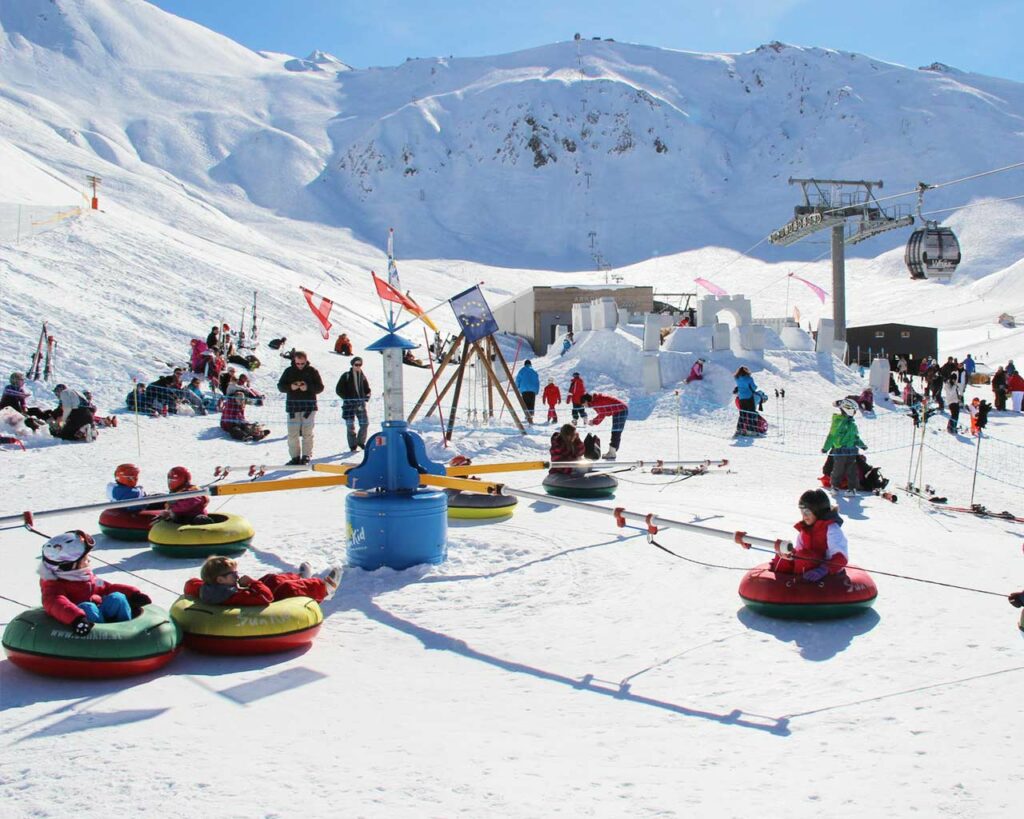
277, 626
227, 535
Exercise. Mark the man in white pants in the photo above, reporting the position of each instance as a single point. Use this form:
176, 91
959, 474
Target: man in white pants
301, 383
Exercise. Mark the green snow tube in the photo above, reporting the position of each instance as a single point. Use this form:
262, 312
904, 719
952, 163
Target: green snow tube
37, 642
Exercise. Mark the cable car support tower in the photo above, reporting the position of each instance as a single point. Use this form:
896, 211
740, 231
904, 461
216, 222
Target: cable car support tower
850, 209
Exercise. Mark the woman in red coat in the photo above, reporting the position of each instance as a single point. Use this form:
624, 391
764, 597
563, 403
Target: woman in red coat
608, 406
73, 595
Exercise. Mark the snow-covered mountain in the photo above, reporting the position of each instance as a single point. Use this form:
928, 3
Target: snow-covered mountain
553, 157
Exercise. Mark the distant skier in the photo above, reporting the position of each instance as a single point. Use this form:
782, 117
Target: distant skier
952, 394
842, 443
528, 384
1015, 386
999, 389
607, 405
574, 396
343, 346
821, 547
696, 371
552, 397
746, 394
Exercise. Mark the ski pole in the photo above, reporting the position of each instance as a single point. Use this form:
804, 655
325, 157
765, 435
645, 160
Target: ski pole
440, 412
910, 466
977, 454
135, 401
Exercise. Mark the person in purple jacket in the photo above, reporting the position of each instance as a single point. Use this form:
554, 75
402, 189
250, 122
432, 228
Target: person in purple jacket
187, 511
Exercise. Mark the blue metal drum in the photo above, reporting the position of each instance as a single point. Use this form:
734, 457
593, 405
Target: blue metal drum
396, 529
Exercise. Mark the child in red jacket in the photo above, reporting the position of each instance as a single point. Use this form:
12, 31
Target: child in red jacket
821, 546
552, 397
187, 511
73, 595
219, 584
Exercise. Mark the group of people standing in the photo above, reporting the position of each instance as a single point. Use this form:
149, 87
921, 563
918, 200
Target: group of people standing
301, 383
603, 406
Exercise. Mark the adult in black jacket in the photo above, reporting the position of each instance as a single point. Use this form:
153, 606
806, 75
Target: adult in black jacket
354, 391
301, 383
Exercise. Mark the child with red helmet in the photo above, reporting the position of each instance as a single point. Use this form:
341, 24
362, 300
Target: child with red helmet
73, 595
821, 547
188, 511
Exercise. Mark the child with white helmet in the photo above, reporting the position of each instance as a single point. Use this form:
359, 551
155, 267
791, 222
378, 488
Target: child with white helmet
842, 443
73, 595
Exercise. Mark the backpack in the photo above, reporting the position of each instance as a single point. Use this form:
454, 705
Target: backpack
592, 447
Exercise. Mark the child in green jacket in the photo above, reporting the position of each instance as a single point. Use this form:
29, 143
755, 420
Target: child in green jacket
842, 443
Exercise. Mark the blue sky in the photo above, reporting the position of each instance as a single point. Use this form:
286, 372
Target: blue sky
982, 36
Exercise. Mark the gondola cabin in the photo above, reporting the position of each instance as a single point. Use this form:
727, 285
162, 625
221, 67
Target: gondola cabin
932, 252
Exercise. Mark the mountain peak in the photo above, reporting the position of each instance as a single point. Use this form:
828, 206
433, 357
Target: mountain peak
940, 68
317, 61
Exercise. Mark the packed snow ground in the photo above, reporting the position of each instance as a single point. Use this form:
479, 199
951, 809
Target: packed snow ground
555, 664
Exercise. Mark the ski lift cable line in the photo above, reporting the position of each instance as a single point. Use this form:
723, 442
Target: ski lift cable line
756, 548
974, 205
938, 185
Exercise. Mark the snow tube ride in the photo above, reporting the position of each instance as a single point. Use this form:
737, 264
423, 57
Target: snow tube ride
228, 535
37, 642
476, 506
789, 597
277, 626
588, 485
121, 524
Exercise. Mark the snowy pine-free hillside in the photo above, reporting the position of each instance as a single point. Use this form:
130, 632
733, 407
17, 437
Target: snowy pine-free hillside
550, 157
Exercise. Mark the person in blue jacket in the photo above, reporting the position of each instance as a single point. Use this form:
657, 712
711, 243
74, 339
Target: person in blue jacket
528, 384
746, 395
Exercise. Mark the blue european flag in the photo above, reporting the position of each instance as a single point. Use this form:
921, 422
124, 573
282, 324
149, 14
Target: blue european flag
475, 317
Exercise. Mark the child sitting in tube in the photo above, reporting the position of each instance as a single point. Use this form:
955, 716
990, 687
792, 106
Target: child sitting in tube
220, 584
821, 546
187, 511
73, 595
126, 486
566, 446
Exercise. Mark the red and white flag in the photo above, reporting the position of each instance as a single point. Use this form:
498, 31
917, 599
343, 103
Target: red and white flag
322, 310
821, 294
711, 287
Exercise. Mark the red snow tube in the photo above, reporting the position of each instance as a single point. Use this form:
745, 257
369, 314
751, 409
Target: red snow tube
121, 524
789, 597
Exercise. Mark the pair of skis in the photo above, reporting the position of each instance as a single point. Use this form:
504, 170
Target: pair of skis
44, 358
982, 512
